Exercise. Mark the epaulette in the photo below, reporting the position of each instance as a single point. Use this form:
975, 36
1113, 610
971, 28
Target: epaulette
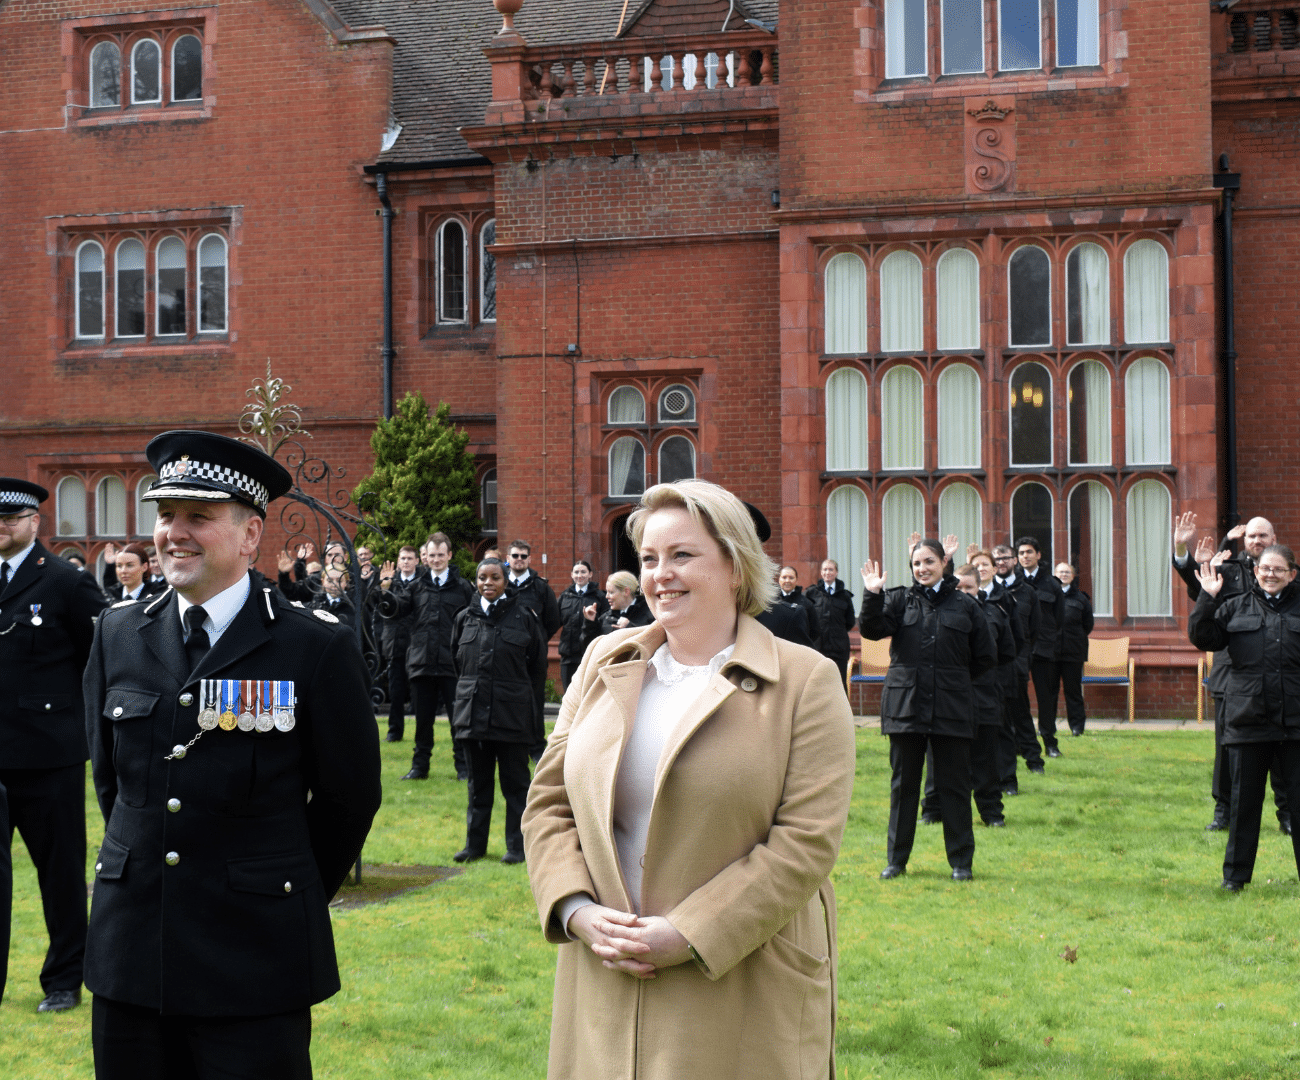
324, 616
297, 603
124, 603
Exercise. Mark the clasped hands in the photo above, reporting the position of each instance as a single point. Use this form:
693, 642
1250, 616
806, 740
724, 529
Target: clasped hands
635, 944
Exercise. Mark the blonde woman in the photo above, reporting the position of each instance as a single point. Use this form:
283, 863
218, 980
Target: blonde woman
683, 823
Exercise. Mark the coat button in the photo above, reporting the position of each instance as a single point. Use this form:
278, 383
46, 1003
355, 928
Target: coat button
288, 886
117, 711
171, 858
48, 706
187, 700
749, 684
178, 751
173, 805
98, 867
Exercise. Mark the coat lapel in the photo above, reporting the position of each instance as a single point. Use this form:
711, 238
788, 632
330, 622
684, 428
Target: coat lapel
26, 575
161, 633
240, 638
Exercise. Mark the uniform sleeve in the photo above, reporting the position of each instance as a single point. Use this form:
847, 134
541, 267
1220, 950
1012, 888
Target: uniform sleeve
88, 600
878, 619
738, 909
1187, 571
1088, 620
983, 653
1006, 641
1059, 608
550, 612
848, 611
537, 652
99, 736
1207, 624
1030, 597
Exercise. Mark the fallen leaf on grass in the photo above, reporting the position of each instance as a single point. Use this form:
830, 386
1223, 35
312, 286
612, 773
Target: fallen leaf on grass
1048, 1041
1070, 955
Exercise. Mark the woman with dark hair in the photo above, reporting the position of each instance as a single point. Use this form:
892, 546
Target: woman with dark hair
940, 642
573, 631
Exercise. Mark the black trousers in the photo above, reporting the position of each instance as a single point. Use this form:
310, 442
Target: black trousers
538, 747
952, 780
428, 693
568, 669
485, 755
842, 662
399, 689
6, 887
1250, 764
1221, 779
48, 808
983, 776
135, 1043
1021, 721
1072, 684
1047, 688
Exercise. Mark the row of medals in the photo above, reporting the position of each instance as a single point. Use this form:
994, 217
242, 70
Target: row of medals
250, 697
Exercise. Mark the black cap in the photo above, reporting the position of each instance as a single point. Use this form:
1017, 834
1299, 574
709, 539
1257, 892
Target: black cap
761, 525
18, 495
214, 468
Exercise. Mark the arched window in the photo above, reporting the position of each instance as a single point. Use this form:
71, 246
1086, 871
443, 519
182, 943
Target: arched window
1087, 296
846, 420
1077, 33
963, 36
901, 317
90, 290
959, 418
957, 285
129, 260
904, 38
70, 506
1090, 543
105, 75
488, 510
146, 72
901, 419
146, 510
170, 259
110, 507
846, 304
212, 284
676, 460
677, 405
961, 514
626, 406
902, 512
450, 257
187, 69
1146, 412
1020, 35
626, 467
1031, 515
487, 273
1149, 548
1146, 293
846, 530
1030, 396
1089, 413
1029, 281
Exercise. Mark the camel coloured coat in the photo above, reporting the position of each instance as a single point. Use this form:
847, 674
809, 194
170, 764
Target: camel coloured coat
751, 797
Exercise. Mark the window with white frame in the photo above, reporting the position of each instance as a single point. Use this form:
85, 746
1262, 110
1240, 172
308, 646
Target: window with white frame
1078, 39
129, 261
487, 272
902, 419
905, 38
1146, 412
846, 304
963, 36
846, 421
902, 512
187, 68
957, 300
146, 510
1149, 549
1088, 412
212, 284
901, 315
626, 406
488, 508
1020, 35
146, 72
90, 290
170, 288
110, 507
959, 417
961, 514
1146, 293
1087, 296
677, 405
1031, 515
450, 257
1029, 281
846, 530
676, 459
70, 506
105, 75
626, 468
1029, 392
1090, 531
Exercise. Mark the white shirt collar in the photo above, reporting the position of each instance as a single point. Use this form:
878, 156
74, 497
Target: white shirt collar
485, 604
15, 561
441, 579
986, 589
407, 577
221, 608
522, 578
668, 671
129, 595
830, 587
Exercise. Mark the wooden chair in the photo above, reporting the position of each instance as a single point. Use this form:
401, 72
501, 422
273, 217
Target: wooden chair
1109, 664
873, 663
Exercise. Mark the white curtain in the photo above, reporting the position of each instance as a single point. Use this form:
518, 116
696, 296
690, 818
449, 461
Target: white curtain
1088, 29
957, 305
110, 515
1091, 446
846, 532
1146, 292
846, 304
627, 467
846, 420
901, 420
146, 513
902, 512
959, 418
960, 514
1149, 549
900, 303
1091, 268
1099, 534
71, 498
1146, 409
626, 406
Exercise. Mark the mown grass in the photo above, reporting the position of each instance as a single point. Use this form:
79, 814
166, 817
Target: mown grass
1105, 855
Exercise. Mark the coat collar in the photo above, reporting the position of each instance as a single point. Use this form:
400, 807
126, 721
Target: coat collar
756, 650
27, 573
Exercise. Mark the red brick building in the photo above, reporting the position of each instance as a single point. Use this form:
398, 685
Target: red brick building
951, 265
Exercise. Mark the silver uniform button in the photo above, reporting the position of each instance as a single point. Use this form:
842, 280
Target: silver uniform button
288, 886
171, 858
117, 711
178, 751
48, 706
749, 684
173, 805
98, 867
187, 700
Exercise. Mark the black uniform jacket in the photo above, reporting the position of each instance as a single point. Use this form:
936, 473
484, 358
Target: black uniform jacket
431, 609
797, 596
1238, 573
992, 687
42, 656
637, 613
499, 657
1051, 609
1073, 645
837, 616
573, 630
940, 643
1000, 595
394, 632
266, 825
1029, 614
344, 610
789, 621
539, 599
1262, 696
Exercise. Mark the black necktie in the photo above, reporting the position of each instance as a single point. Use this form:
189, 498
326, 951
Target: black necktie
196, 643
4, 576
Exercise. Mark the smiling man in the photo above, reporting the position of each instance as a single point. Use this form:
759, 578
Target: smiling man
236, 763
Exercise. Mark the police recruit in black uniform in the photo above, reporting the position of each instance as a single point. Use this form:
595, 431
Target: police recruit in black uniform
235, 760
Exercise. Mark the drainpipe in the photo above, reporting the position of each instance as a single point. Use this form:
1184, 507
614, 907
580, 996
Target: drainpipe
1230, 183
381, 187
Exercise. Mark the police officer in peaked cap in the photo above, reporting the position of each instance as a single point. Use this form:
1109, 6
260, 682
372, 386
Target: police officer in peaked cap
236, 762
47, 621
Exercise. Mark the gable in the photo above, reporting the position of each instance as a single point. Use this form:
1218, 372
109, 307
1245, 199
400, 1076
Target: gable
664, 18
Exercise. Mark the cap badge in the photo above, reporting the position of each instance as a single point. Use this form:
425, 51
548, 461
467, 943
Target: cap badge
183, 466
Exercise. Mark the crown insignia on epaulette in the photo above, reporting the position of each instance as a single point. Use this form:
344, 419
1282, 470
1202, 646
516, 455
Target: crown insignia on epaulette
324, 616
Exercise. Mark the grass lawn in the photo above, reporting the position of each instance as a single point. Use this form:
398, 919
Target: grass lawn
1106, 855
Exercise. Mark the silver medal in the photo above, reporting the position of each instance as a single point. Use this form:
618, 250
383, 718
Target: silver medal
36, 620
207, 704
284, 720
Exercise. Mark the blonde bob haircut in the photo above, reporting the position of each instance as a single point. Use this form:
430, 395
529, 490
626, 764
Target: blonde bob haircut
623, 579
727, 520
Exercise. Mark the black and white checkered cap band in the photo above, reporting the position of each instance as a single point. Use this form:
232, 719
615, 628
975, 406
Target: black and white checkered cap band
19, 498
181, 471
